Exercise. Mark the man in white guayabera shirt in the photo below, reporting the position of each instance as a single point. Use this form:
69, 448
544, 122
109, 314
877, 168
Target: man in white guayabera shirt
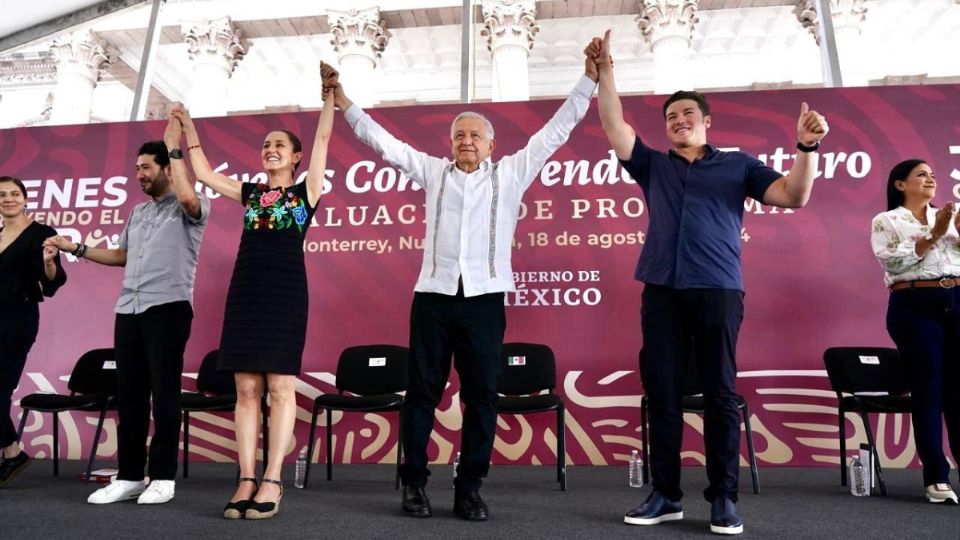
472, 205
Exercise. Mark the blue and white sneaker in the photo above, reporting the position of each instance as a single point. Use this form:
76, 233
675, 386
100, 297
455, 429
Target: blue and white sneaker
724, 518
656, 509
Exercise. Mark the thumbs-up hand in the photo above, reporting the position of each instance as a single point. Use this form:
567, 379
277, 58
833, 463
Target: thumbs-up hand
604, 55
811, 126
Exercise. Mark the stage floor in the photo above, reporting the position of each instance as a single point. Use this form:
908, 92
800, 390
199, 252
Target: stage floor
524, 502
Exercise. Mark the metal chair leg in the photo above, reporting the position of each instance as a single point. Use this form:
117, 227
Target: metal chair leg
310, 443
96, 441
754, 472
186, 445
842, 415
562, 448
56, 444
23, 423
644, 440
329, 445
876, 456
396, 483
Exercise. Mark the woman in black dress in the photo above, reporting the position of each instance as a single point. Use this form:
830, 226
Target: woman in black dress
28, 272
265, 320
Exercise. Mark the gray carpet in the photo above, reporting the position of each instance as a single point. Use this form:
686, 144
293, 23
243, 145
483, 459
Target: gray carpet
524, 502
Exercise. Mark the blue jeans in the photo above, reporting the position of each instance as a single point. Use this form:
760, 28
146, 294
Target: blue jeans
925, 325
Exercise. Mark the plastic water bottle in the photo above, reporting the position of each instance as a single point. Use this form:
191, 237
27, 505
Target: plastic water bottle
301, 471
858, 478
636, 470
456, 463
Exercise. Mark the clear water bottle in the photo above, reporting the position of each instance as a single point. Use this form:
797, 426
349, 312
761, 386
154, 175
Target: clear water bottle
301, 470
858, 478
636, 470
456, 463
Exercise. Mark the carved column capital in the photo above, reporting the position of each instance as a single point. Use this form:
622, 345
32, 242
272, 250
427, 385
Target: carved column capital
509, 23
845, 13
358, 32
216, 41
668, 21
83, 54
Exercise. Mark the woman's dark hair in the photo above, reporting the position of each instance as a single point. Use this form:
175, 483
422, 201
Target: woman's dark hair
900, 171
297, 146
17, 181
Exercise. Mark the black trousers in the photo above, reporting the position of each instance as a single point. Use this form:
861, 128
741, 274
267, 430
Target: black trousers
149, 351
471, 330
18, 330
925, 325
673, 321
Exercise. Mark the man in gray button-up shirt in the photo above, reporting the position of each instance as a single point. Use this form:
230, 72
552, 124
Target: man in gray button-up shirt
158, 250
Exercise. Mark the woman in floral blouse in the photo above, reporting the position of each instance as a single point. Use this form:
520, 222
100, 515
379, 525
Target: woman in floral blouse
919, 249
265, 319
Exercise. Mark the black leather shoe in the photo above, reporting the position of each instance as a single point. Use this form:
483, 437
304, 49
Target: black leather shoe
415, 502
469, 506
11, 467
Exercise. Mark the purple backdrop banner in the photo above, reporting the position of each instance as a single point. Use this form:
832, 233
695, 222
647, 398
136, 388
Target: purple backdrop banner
812, 281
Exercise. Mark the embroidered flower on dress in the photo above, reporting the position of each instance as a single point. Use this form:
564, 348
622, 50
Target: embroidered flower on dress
300, 214
270, 209
269, 198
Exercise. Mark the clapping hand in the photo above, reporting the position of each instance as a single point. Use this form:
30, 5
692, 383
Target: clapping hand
942, 221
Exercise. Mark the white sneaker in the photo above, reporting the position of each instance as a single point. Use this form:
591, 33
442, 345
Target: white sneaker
158, 492
941, 493
118, 490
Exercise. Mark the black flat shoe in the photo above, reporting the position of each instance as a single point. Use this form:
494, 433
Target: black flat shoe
415, 502
11, 467
469, 506
264, 510
236, 509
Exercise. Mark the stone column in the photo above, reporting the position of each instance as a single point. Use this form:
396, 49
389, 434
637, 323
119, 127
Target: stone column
359, 37
215, 47
510, 26
667, 25
848, 17
80, 59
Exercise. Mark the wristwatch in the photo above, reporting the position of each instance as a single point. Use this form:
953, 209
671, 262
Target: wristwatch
804, 148
930, 237
175, 153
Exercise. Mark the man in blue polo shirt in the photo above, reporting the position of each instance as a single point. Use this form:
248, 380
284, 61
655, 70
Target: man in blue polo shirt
693, 294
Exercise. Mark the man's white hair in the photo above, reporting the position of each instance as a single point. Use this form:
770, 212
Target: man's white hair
471, 114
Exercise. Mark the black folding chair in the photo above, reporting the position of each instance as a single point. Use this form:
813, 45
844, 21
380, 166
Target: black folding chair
867, 380
692, 401
369, 378
527, 370
216, 391
93, 387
